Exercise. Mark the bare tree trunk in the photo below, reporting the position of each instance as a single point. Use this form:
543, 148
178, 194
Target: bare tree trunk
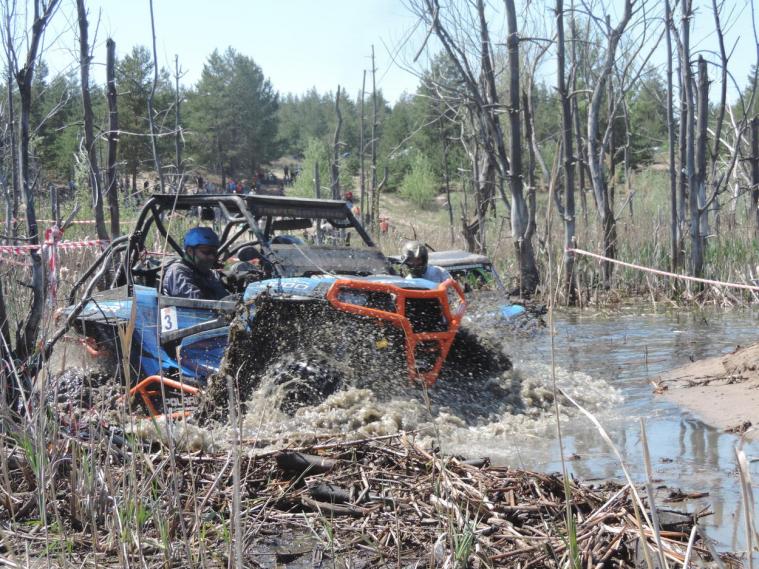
698, 208
335, 167
529, 135
373, 214
151, 117
755, 172
569, 166
446, 174
485, 180
716, 181
317, 181
482, 93
178, 126
113, 134
26, 334
696, 256
596, 150
361, 143
89, 136
519, 212
11, 222
575, 108
611, 150
318, 195
376, 199
673, 220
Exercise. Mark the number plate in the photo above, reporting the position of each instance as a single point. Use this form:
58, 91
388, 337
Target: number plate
169, 320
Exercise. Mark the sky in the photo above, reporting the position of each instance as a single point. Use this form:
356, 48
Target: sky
300, 44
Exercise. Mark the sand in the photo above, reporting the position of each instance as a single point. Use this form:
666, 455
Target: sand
722, 391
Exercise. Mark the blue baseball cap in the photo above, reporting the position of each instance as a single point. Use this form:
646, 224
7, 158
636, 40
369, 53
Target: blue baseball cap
201, 236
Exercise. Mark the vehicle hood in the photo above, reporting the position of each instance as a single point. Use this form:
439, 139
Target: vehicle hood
318, 286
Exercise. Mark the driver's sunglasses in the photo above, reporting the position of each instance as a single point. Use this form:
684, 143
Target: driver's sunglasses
207, 251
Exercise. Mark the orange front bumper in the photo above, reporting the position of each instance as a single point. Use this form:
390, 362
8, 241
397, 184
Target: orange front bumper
155, 386
446, 293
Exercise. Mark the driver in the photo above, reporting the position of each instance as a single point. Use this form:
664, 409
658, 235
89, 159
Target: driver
193, 276
416, 258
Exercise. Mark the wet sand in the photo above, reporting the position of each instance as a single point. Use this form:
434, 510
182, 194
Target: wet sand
723, 391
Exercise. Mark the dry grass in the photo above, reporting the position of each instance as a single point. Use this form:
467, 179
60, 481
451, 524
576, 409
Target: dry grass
385, 502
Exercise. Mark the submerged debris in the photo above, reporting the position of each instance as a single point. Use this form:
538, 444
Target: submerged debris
377, 502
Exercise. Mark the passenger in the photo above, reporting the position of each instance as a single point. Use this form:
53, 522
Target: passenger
416, 258
193, 276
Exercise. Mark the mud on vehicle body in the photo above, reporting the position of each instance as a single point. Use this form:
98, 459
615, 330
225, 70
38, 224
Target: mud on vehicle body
291, 297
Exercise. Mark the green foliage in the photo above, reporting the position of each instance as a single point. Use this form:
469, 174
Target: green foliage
56, 118
419, 186
233, 115
316, 152
134, 78
647, 117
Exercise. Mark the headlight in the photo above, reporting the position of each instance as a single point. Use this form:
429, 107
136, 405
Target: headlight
350, 296
369, 298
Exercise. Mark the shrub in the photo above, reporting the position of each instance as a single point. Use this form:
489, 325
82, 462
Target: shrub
419, 186
316, 151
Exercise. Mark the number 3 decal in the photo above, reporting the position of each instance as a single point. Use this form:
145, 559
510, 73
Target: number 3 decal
169, 319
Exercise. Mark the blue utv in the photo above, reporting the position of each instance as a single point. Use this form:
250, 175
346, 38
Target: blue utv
305, 280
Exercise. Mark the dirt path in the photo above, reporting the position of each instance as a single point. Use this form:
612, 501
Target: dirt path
723, 391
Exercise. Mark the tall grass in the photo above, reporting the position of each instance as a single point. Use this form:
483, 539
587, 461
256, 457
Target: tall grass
643, 238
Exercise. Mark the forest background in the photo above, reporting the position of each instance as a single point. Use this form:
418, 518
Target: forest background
571, 102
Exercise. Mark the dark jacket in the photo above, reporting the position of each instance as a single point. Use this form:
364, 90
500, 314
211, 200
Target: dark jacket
183, 280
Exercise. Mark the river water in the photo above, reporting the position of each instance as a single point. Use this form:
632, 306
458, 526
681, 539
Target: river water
627, 348
605, 360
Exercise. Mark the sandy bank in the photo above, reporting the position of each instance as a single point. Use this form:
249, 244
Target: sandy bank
723, 391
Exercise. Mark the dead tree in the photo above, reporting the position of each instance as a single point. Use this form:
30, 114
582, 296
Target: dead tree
581, 163
673, 221
481, 93
373, 213
596, 149
89, 135
520, 214
568, 162
696, 258
446, 172
11, 213
699, 223
682, 185
755, 171
362, 149
26, 334
178, 126
151, 112
112, 193
335, 166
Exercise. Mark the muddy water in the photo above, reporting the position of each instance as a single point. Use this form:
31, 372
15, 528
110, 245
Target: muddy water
605, 361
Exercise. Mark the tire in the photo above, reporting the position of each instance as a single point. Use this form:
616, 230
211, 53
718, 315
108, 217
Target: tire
79, 389
474, 357
300, 380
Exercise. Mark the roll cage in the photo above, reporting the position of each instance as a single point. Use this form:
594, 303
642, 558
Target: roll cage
256, 214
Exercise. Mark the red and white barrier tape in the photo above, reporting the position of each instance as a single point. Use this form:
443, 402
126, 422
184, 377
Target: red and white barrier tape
663, 273
74, 222
26, 249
